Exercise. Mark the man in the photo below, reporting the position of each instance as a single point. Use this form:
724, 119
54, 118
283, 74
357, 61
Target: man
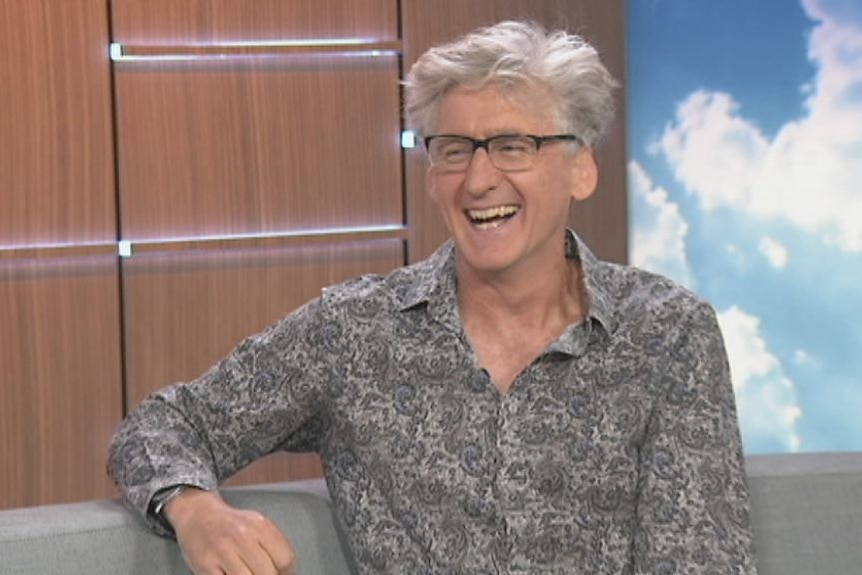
510, 405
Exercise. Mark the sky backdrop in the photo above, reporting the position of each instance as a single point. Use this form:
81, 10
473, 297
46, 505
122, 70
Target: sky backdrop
745, 184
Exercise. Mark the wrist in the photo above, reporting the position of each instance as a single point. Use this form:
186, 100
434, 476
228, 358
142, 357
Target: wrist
163, 497
184, 504
160, 500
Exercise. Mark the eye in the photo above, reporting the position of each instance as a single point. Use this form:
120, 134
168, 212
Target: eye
455, 151
513, 146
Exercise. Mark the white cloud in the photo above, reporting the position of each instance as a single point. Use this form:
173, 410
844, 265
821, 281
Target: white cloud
774, 251
749, 356
766, 397
658, 229
843, 10
802, 358
712, 151
809, 172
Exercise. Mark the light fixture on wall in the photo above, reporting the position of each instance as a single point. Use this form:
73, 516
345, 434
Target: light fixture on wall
253, 48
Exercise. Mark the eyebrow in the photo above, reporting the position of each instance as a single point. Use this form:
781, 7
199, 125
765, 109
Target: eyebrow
493, 134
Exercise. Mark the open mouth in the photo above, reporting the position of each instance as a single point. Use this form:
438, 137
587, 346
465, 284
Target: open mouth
491, 217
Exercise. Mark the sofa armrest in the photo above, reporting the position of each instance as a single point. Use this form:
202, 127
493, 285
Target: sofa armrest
103, 537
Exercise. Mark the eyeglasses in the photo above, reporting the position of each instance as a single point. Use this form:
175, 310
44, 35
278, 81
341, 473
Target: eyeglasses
508, 152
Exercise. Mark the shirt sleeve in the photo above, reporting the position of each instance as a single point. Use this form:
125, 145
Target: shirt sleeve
693, 505
267, 395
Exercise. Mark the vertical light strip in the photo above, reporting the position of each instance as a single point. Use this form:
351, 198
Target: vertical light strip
124, 248
408, 139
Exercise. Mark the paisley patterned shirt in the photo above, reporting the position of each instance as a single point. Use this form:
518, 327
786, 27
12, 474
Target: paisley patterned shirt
615, 452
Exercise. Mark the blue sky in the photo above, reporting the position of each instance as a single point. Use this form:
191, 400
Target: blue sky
745, 184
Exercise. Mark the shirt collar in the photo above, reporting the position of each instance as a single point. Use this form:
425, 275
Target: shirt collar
598, 298
433, 279
434, 283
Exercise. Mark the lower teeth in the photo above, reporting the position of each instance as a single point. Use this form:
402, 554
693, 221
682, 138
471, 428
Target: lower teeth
490, 223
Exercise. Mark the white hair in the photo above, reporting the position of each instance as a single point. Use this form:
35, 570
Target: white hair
516, 55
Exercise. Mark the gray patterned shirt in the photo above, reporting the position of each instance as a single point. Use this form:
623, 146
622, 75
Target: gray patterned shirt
615, 452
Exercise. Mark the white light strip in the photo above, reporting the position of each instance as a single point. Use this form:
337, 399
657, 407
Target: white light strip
54, 246
223, 57
118, 55
352, 47
125, 248
274, 235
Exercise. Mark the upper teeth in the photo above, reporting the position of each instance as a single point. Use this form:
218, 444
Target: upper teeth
491, 213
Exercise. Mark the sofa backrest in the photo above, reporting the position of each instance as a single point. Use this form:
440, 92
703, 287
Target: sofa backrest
806, 511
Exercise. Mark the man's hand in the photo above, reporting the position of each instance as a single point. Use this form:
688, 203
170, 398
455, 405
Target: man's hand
217, 539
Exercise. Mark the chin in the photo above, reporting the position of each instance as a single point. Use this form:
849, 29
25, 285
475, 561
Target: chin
488, 265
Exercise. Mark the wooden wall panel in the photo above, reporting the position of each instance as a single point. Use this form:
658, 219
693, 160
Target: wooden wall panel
60, 377
258, 145
60, 374
56, 154
601, 220
162, 22
187, 310
248, 144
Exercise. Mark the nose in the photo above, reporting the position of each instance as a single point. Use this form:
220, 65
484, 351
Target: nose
481, 175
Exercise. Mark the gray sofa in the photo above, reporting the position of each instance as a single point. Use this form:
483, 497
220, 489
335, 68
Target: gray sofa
806, 508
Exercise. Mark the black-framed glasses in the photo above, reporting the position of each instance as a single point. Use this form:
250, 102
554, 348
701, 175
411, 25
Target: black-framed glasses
508, 152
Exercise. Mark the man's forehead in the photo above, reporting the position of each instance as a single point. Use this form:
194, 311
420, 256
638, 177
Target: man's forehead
499, 108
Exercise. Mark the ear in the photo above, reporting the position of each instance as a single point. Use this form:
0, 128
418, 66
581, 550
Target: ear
586, 174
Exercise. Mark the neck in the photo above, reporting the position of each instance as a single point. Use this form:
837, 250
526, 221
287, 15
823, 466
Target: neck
554, 300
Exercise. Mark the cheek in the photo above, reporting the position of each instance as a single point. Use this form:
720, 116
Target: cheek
560, 186
430, 186
442, 188
552, 190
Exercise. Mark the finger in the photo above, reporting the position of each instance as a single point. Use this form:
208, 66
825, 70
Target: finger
236, 565
278, 548
252, 558
259, 563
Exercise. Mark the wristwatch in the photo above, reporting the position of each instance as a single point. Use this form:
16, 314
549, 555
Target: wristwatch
160, 501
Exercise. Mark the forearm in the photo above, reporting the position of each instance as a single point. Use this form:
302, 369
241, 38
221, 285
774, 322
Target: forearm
156, 447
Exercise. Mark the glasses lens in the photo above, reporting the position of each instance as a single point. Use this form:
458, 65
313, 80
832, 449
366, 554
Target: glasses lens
512, 152
450, 152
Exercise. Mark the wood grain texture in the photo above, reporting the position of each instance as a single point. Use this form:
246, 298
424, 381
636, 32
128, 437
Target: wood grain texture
185, 311
601, 220
258, 145
60, 378
158, 22
56, 150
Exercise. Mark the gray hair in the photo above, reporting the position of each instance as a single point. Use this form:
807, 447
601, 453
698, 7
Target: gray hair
516, 54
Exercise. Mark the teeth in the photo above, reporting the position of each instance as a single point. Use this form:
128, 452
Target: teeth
492, 213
